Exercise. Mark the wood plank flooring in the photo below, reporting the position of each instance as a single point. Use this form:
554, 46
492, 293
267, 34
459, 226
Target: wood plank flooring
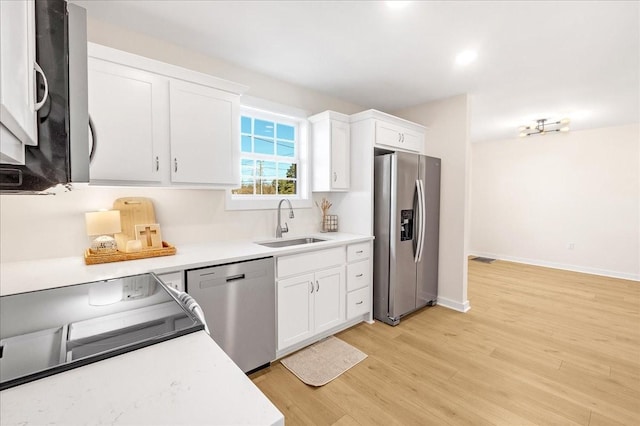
539, 347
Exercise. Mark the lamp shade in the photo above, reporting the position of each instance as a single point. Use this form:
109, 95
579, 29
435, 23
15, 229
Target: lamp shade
103, 222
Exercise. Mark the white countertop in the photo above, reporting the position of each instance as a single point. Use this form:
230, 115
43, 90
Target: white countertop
20, 277
184, 381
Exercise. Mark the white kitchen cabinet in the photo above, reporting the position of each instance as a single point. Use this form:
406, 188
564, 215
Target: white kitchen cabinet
310, 304
128, 109
205, 144
311, 292
161, 125
391, 135
331, 151
359, 280
18, 105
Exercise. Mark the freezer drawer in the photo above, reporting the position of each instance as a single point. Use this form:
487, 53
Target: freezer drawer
239, 305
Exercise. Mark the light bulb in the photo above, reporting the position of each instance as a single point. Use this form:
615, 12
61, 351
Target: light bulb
565, 121
523, 134
564, 129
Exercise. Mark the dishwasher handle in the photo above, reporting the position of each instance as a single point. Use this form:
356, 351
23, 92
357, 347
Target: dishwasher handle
235, 277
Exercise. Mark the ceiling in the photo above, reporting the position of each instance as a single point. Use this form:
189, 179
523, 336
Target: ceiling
576, 59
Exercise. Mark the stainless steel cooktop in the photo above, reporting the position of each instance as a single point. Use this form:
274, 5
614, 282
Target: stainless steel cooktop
54, 330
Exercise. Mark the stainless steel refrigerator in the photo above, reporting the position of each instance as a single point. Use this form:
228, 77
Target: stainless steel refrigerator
406, 229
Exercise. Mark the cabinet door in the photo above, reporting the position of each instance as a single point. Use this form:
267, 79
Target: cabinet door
204, 134
329, 300
295, 310
398, 137
339, 155
17, 78
128, 107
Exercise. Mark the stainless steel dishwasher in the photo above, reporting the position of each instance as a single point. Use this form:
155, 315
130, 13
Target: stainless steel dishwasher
239, 305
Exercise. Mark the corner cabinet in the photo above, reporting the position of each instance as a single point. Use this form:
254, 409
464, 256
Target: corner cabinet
18, 106
161, 125
331, 151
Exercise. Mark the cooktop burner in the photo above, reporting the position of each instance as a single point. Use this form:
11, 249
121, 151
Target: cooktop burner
54, 330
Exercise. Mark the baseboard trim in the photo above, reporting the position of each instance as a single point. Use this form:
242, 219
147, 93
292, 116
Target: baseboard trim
574, 268
454, 304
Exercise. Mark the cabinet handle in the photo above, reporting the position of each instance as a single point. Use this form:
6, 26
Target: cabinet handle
157, 163
360, 302
40, 104
175, 165
359, 251
402, 138
399, 137
311, 282
359, 275
317, 286
335, 176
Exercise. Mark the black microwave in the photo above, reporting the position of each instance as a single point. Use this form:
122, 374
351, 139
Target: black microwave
62, 153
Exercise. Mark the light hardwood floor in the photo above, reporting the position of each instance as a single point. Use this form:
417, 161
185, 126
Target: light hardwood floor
539, 346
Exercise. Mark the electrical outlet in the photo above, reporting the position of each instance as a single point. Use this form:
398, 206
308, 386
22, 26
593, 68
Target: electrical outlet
135, 289
571, 246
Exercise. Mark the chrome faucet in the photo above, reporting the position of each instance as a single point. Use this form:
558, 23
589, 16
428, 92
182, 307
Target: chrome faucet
282, 229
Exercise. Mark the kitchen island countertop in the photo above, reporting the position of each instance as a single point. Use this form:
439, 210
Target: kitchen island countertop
184, 381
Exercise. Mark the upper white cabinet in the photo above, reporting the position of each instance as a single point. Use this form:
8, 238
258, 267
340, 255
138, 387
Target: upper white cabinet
159, 124
18, 105
392, 133
204, 135
331, 151
127, 106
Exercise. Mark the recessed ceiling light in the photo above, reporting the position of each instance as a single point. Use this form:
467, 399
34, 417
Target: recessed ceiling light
466, 57
397, 4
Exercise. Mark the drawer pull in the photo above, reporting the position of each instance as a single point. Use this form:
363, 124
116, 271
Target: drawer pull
359, 275
360, 252
360, 302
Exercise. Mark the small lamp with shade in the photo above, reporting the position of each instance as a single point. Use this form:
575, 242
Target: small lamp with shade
103, 224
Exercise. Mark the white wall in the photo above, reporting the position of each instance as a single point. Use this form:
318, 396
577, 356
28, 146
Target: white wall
38, 227
448, 139
531, 198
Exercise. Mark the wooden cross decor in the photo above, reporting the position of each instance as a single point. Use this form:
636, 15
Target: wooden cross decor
149, 235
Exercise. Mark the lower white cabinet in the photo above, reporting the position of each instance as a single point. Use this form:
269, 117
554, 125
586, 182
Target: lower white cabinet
310, 304
322, 292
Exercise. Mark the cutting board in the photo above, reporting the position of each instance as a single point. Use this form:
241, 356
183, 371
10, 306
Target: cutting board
133, 211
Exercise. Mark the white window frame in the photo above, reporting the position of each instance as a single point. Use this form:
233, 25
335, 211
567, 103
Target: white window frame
275, 112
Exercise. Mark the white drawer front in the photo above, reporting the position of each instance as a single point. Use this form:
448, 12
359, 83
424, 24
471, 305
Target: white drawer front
358, 303
358, 275
311, 261
358, 251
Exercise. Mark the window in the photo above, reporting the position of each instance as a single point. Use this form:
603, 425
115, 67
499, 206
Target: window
269, 157
273, 160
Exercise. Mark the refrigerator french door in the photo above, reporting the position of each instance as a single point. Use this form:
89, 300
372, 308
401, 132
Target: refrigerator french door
406, 229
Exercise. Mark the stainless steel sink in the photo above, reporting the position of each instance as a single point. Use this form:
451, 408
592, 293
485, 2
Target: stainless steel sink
292, 242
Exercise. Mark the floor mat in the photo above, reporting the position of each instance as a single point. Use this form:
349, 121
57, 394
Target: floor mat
322, 362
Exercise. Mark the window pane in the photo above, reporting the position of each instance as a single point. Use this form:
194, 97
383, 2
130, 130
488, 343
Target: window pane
287, 187
263, 128
247, 167
246, 187
246, 144
287, 170
245, 124
285, 149
263, 146
266, 169
286, 132
265, 186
